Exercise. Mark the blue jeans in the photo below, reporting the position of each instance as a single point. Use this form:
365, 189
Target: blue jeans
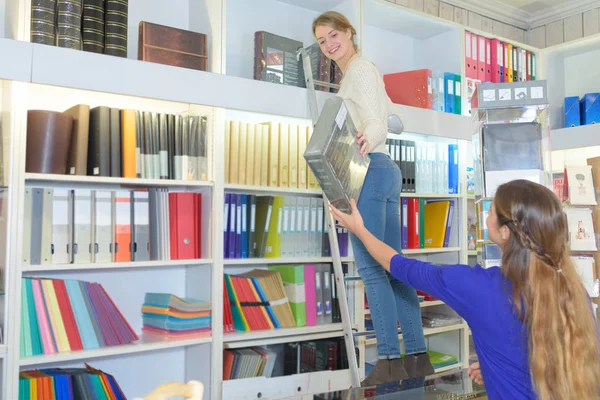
389, 299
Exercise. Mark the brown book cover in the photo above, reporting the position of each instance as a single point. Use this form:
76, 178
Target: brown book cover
77, 163
172, 46
48, 141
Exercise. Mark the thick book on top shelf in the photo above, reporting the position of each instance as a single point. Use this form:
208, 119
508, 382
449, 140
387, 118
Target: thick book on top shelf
334, 156
172, 46
275, 59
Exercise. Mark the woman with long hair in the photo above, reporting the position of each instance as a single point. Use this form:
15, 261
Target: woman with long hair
531, 318
390, 300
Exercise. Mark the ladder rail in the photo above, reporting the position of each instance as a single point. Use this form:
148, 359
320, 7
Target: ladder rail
340, 287
335, 250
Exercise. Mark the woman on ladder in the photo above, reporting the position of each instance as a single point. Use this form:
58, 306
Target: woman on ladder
390, 300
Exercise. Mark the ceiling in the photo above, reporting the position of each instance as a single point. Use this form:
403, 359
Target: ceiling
533, 6
526, 14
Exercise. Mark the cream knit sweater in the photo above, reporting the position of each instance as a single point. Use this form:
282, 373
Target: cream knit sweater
368, 104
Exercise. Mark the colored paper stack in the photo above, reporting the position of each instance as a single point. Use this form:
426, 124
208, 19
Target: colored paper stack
170, 316
68, 315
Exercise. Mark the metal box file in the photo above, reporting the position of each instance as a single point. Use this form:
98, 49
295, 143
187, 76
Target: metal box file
334, 156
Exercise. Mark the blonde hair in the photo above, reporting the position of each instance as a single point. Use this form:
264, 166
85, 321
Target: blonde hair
564, 353
337, 21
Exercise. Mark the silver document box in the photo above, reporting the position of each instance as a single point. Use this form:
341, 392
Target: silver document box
334, 156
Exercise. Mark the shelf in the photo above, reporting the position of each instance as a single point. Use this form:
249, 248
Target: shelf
575, 137
431, 251
283, 335
116, 265
61, 67
104, 182
290, 386
423, 304
435, 123
447, 368
472, 252
20, 56
431, 195
315, 5
143, 345
427, 332
271, 190
270, 261
570, 70
392, 17
51, 65
413, 41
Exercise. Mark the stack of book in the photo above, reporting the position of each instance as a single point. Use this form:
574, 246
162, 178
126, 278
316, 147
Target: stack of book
170, 316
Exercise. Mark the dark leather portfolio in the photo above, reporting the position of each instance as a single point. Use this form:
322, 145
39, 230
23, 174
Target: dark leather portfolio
48, 141
172, 46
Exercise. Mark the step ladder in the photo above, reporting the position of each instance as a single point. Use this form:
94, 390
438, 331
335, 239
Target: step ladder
340, 280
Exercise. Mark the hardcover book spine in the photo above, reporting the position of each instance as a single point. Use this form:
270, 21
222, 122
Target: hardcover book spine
69, 24
43, 15
115, 29
93, 26
259, 59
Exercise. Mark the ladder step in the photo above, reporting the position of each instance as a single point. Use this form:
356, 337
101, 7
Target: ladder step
367, 333
326, 84
352, 278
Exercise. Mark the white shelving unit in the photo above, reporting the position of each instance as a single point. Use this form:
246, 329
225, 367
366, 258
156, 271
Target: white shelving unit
53, 78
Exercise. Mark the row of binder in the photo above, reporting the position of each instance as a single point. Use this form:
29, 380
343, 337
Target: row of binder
277, 227
425, 88
492, 60
64, 226
128, 143
67, 384
283, 296
426, 167
426, 223
267, 154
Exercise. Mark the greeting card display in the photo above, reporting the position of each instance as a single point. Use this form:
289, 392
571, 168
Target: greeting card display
581, 229
580, 185
334, 156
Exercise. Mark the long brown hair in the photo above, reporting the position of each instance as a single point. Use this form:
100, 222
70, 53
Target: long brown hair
337, 21
564, 353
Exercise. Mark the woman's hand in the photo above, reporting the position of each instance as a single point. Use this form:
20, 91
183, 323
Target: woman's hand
363, 143
353, 222
475, 373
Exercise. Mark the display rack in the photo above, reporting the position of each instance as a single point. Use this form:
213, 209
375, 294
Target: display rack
512, 118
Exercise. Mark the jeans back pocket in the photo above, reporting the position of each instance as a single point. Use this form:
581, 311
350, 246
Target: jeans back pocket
386, 179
